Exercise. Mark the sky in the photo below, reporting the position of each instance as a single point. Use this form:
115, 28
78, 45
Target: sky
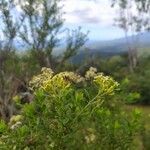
95, 16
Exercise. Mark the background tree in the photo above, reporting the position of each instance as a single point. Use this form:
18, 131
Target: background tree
133, 19
42, 25
38, 26
9, 30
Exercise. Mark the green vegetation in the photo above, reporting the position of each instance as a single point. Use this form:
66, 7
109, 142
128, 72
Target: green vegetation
71, 112
80, 103
134, 85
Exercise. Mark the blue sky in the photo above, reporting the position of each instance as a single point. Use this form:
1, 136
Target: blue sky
94, 15
98, 32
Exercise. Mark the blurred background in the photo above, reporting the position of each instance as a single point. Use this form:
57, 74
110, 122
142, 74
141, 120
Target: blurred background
73, 35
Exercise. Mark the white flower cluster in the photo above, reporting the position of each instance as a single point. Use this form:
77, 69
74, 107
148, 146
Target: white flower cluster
91, 73
15, 121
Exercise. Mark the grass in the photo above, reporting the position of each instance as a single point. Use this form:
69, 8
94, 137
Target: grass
144, 140
144, 51
145, 110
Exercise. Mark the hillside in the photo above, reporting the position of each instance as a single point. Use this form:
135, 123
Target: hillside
113, 47
120, 45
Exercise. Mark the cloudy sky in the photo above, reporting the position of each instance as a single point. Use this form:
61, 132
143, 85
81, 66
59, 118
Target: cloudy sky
94, 15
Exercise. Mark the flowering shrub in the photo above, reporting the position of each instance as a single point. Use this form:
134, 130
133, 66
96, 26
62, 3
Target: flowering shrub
71, 112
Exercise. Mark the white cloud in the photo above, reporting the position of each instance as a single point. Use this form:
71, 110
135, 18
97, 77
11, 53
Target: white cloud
86, 11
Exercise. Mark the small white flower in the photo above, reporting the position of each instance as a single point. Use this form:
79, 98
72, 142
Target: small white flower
16, 125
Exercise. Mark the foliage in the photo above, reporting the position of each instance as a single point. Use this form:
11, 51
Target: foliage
136, 86
69, 111
38, 26
146, 138
72, 112
133, 14
133, 19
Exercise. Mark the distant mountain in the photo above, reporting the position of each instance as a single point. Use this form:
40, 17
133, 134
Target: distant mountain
120, 45
113, 47
103, 48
